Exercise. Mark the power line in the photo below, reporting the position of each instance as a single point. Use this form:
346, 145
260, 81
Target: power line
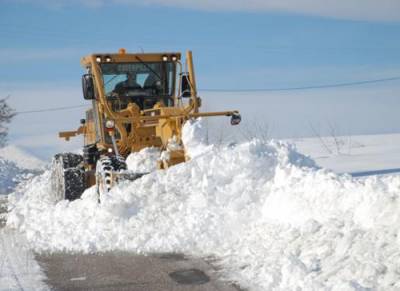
51, 109
347, 84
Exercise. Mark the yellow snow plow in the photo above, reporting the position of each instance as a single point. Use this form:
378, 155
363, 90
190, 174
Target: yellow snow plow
137, 101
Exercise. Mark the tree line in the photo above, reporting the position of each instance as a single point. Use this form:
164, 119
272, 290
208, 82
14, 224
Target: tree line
6, 115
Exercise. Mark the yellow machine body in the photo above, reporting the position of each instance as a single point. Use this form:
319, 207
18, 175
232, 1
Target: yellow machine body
150, 122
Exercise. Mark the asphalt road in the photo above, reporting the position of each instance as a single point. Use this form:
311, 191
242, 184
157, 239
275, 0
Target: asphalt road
127, 271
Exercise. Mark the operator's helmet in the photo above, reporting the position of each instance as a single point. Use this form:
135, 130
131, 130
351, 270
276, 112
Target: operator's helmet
131, 79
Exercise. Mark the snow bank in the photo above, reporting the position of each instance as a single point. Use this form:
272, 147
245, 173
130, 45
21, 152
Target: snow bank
194, 137
273, 219
144, 161
19, 270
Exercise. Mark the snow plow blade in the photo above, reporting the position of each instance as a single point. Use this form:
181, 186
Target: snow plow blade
128, 176
106, 181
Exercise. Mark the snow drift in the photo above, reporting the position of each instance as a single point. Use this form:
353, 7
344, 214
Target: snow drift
272, 218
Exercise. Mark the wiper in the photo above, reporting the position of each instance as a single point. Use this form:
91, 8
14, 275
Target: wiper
111, 80
148, 67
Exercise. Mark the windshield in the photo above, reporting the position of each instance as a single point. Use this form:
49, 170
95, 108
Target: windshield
150, 78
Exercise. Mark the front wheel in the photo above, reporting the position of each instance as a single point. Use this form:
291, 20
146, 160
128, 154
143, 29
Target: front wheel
67, 177
106, 170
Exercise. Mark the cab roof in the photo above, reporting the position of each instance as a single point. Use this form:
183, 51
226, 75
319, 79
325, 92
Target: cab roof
123, 57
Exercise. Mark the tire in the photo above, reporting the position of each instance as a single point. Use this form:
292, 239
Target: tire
106, 166
67, 177
69, 160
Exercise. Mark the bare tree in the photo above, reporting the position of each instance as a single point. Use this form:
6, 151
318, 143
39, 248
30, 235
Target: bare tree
333, 142
338, 142
320, 138
256, 129
215, 134
6, 115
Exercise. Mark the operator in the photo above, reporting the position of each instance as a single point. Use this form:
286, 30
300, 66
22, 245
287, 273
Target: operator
124, 87
129, 83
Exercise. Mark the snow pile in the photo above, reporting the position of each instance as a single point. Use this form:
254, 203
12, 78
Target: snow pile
144, 161
273, 219
194, 137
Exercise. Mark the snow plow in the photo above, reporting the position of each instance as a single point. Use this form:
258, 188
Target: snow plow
137, 101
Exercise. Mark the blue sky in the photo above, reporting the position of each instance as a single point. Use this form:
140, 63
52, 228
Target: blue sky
236, 44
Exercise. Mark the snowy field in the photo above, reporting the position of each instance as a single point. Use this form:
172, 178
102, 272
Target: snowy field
353, 154
273, 218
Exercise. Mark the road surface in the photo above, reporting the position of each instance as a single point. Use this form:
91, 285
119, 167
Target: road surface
127, 271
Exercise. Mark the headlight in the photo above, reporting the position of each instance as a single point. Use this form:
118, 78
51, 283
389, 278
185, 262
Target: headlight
98, 59
174, 58
165, 58
108, 59
110, 124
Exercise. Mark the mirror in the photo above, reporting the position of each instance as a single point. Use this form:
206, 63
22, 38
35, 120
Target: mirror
87, 87
185, 86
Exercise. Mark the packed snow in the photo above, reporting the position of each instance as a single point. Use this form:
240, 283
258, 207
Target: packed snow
18, 268
144, 161
268, 214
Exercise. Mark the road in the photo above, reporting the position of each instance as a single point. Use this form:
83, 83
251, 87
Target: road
127, 271
103, 271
